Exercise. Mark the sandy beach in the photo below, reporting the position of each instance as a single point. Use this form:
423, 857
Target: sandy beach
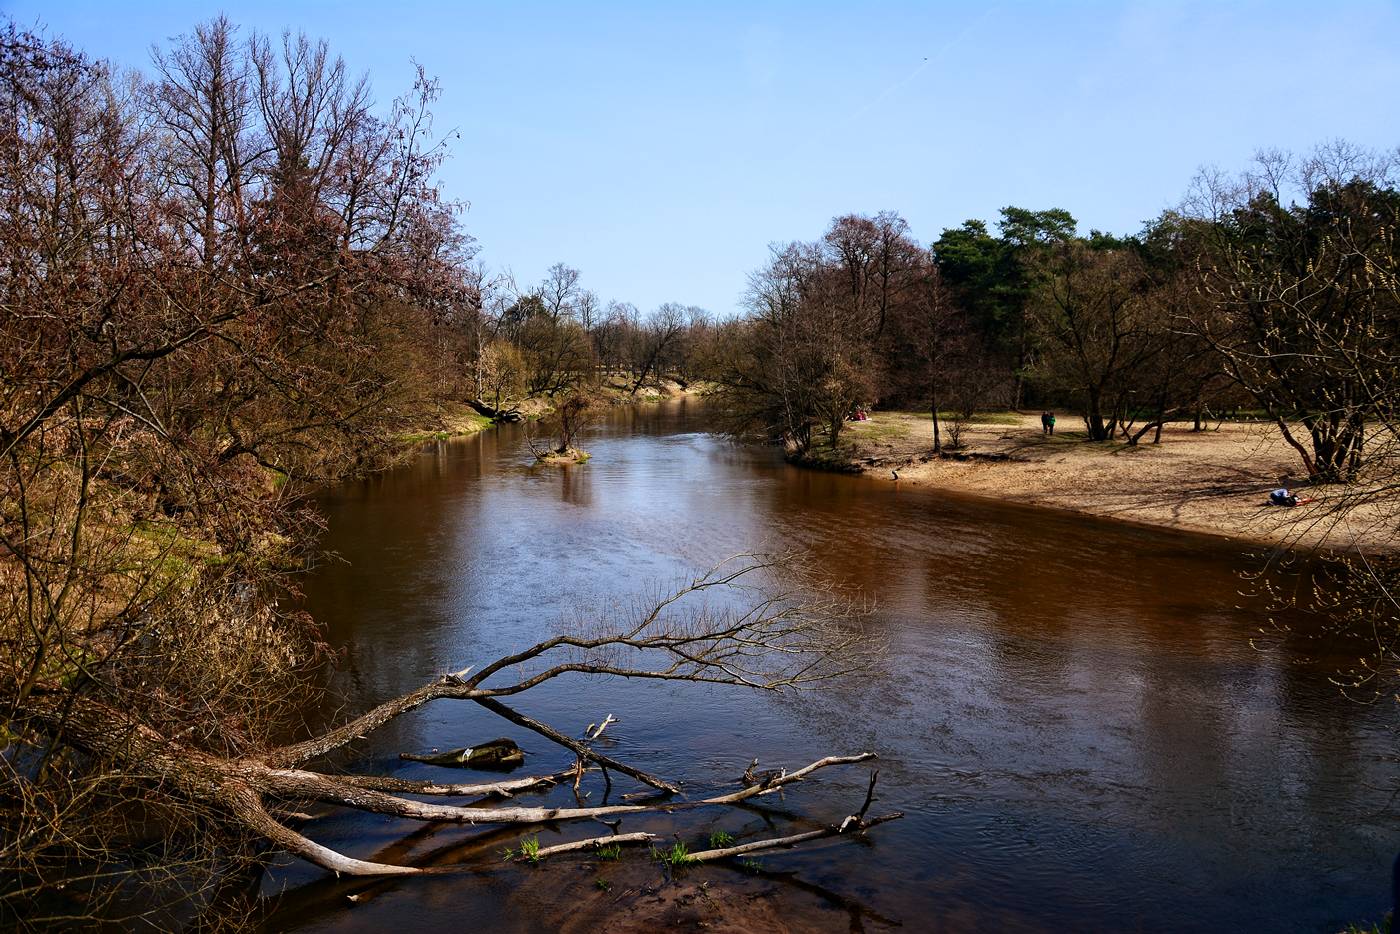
1214, 481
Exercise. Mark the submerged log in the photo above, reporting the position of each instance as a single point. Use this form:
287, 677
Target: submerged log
495, 754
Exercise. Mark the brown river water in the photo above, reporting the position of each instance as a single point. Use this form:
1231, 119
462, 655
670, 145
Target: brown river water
1070, 713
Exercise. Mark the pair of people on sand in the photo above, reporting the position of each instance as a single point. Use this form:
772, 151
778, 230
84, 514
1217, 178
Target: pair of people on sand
1047, 422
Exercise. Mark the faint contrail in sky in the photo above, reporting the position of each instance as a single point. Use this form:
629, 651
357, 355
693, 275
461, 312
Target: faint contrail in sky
928, 60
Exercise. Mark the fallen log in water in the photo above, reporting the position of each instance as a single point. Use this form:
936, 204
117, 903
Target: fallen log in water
494, 754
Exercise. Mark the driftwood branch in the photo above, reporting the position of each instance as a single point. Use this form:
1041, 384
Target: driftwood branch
593, 731
245, 804
781, 842
504, 789
296, 784
579, 749
854, 823
592, 843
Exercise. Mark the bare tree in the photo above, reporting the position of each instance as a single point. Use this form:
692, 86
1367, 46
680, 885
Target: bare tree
930, 339
501, 379
1303, 308
807, 356
577, 411
204, 105
653, 341
1097, 326
767, 376
692, 355
560, 292
611, 336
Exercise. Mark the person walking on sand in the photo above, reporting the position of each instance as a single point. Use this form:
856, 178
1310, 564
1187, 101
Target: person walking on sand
1049, 423
1045, 422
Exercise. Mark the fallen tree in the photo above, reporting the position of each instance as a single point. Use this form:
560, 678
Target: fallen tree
735, 625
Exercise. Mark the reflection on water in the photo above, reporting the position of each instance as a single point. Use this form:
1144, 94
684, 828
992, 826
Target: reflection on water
1070, 713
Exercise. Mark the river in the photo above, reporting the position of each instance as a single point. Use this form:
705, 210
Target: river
1070, 712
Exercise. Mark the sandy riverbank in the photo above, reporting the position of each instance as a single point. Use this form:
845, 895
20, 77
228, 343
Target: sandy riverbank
1214, 481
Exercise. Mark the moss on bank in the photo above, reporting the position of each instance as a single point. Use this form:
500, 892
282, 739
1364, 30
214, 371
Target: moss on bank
452, 420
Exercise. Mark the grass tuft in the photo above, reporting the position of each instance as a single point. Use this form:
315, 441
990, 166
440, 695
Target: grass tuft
1382, 928
529, 850
678, 854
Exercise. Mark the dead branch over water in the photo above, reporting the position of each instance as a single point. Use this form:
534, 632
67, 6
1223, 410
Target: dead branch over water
733, 625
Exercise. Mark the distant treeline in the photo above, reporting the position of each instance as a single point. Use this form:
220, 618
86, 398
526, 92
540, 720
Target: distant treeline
1275, 290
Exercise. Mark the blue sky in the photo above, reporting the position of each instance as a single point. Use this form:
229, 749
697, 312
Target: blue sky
660, 147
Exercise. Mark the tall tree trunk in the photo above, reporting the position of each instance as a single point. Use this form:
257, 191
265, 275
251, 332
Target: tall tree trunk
937, 442
1093, 416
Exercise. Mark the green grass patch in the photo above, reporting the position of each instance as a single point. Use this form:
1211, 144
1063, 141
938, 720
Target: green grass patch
878, 430
422, 437
612, 852
529, 850
720, 839
176, 553
677, 854
988, 418
1382, 928
458, 424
